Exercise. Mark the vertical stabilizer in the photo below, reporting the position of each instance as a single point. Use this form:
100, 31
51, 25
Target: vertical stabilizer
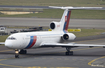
65, 20
66, 15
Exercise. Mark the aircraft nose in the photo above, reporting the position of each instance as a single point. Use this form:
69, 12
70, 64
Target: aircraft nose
14, 41
8, 44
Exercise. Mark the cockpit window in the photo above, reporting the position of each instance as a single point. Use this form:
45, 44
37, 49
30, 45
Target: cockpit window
11, 38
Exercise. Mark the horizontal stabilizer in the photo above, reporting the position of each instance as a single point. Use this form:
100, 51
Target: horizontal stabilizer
78, 8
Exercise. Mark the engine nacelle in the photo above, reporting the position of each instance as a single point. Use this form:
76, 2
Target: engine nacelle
54, 25
69, 36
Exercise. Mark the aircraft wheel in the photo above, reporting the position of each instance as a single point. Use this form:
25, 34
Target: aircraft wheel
23, 51
69, 53
16, 56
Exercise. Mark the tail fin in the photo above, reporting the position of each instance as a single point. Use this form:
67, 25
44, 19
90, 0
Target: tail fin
66, 15
65, 20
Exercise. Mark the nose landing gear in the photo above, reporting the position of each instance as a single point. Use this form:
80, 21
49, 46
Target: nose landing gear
17, 52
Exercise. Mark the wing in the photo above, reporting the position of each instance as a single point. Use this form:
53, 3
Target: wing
2, 42
45, 44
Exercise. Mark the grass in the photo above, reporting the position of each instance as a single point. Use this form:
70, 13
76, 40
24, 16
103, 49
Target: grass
88, 14
51, 13
18, 27
57, 13
89, 32
84, 32
3, 38
54, 2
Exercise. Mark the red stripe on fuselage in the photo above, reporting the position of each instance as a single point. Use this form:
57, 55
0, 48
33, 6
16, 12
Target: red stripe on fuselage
68, 19
34, 41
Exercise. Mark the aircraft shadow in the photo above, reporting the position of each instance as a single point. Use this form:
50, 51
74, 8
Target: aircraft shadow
54, 54
43, 54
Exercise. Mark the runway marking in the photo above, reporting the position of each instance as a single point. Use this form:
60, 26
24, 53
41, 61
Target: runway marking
30, 67
65, 67
98, 65
5, 50
51, 67
9, 65
2, 59
90, 63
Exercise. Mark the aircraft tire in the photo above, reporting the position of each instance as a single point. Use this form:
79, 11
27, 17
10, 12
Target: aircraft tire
16, 56
23, 52
69, 53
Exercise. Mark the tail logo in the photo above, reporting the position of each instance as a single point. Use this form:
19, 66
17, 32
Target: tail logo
65, 18
58, 25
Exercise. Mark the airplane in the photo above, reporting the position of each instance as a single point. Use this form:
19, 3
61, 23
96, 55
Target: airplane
55, 38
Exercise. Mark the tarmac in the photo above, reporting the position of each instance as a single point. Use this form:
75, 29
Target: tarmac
74, 23
83, 57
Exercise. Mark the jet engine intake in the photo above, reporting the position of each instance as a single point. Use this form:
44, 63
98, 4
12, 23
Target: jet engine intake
69, 36
54, 25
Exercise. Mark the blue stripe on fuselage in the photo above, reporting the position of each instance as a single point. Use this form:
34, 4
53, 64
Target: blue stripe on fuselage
31, 41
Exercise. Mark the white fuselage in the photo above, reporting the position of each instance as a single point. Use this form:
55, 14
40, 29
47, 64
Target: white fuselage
33, 39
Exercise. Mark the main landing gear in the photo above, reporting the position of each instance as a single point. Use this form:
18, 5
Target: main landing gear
23, 52
68, 51
17, 52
